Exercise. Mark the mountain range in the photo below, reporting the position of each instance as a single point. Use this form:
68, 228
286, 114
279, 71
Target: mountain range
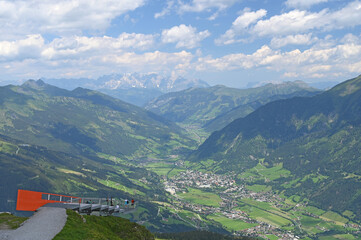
135, 88
214, 107
317, 139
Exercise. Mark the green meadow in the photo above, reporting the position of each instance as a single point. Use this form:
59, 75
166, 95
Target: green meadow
201, 197
159, 168
231, 224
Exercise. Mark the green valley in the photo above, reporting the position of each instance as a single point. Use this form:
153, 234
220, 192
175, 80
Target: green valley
290, 169
213, 108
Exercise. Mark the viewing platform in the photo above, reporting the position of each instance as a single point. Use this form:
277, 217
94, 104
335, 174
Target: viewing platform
31, 201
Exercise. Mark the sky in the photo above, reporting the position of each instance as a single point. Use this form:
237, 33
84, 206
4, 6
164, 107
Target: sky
230, 42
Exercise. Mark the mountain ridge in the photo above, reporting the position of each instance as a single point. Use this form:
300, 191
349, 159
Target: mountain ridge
201, 106
135, 88
315, 136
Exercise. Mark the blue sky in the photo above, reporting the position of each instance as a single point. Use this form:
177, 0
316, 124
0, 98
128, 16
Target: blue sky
230, 42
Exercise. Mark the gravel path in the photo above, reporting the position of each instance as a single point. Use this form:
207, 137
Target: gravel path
43, 225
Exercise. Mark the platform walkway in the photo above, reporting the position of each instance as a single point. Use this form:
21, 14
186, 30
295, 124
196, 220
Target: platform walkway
105, 206
31, 201
45, 224
50, 213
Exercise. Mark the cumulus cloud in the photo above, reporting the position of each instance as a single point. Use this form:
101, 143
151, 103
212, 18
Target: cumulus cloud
81, 56
299, 39
240, 25
303, 3
29, 47
60, 16
67, 47
349, 16
184, 36
295, 22
315, 62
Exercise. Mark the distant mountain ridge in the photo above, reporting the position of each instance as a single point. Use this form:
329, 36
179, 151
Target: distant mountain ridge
215, 107
149, 81
135, 88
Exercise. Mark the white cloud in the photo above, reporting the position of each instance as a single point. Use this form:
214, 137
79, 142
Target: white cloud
247, 18
299, 39
240, 25
77, 47
61, 16
30, 47
151, 61
165, 10
81, 56
184, 36
181, 7
350, 38
68, 47
295, 22
315, 62
203, 5
303, 3
349, 16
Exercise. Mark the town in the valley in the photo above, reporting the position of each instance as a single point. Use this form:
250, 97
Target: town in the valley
233, 195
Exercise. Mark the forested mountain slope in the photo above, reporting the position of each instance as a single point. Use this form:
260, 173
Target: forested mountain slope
85, 122
318, 139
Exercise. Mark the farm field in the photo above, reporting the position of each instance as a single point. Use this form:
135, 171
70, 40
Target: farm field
260, 172
231, 224
160, 168
334, 217
201, 197
262, 215
338, 237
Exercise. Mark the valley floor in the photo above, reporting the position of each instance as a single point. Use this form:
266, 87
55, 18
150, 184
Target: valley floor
201, 199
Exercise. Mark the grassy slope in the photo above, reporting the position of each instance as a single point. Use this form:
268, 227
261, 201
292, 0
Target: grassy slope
85, 122
94, 227
9, 221
36, 168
